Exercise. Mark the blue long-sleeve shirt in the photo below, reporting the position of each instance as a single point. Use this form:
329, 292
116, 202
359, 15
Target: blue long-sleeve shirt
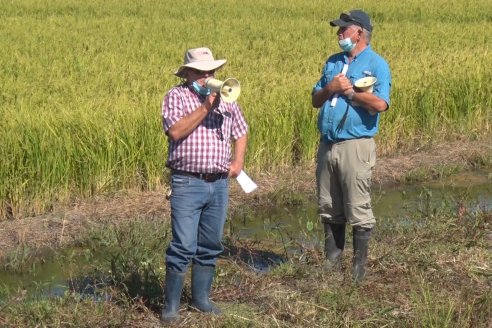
358, 123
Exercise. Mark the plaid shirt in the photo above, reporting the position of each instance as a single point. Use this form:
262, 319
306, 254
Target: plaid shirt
208, 148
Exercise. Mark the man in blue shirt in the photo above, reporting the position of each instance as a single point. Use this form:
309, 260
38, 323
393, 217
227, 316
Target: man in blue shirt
352, 92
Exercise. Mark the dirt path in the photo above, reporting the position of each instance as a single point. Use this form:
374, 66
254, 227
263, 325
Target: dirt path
65, 223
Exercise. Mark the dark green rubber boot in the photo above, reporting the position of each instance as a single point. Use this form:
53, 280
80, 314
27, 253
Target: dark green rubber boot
172, 295
334, 245
361, 244
201, 285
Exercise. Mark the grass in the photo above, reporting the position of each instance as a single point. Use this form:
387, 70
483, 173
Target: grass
430, 269
81, 84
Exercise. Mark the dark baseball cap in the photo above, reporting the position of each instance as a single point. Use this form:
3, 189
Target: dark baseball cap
353, 17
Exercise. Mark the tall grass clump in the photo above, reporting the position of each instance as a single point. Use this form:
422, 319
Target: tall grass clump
81, 83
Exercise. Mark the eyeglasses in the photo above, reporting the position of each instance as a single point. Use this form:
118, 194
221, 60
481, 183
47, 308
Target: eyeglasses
200, 72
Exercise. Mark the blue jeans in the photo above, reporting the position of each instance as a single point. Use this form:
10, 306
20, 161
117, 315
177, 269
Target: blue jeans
198, 214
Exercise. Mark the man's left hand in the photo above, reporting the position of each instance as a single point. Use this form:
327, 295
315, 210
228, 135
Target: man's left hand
235, 169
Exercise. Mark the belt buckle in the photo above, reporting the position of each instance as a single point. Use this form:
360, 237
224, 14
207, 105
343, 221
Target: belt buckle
206, 177
212, 177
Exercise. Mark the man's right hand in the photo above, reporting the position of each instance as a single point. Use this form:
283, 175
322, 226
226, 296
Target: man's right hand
211, 101
340, 84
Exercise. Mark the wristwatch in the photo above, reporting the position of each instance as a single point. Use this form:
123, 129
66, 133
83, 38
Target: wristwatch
351, 95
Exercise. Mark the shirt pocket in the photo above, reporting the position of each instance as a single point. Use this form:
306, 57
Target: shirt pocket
355, 76
226, 122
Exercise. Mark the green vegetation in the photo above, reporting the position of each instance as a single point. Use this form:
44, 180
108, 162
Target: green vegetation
430, 269
81, 83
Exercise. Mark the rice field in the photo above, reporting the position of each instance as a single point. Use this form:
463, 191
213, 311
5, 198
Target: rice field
81, 83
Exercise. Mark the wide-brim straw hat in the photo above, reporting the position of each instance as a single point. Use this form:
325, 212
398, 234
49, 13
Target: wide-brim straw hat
201, 59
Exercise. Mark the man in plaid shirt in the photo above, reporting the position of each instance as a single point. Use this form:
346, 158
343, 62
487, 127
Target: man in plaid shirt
200, 127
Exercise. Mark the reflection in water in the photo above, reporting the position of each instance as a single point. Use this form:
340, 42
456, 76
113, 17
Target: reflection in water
258, 260
92, 288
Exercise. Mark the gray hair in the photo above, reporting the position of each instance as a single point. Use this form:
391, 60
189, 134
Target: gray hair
367, 35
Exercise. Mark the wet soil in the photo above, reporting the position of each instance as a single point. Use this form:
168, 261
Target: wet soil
66, 222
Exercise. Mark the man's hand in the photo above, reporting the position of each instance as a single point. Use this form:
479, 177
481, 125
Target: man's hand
342, 84
339, 85
235, 169
211, 101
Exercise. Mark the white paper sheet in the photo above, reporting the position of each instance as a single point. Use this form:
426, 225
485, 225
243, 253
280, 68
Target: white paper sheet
335, 97
246, 183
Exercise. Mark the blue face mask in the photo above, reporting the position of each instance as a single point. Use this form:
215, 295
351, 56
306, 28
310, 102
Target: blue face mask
346, 44
201, 90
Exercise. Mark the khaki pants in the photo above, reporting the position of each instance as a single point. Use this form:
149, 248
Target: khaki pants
343, 180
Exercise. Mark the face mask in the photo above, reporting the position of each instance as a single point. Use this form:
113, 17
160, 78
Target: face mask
201, 90
346, 44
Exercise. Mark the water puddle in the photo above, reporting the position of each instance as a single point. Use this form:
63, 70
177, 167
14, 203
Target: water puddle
284, 228
472, 189
54, 278
292, 228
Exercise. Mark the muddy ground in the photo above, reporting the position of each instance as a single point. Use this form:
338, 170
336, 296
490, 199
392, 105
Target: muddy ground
62, 226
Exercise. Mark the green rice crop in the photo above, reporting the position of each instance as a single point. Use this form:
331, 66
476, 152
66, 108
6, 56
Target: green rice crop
81, 83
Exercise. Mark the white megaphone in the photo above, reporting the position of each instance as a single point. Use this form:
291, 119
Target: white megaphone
365, 84
229, 89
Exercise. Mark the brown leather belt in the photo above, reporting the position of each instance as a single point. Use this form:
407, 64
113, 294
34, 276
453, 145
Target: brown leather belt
208, 177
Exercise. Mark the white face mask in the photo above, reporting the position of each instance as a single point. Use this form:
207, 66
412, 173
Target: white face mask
201, 90
346, 44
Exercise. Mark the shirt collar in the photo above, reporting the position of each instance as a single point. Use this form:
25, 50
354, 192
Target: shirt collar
365, 50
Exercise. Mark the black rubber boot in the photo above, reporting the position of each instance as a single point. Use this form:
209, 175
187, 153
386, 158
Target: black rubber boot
172, 295
201, 284
361, 244
334, 245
